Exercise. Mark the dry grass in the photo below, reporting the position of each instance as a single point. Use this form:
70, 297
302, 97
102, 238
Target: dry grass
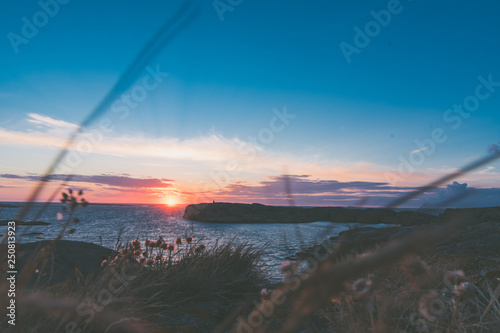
389, 289
413, 297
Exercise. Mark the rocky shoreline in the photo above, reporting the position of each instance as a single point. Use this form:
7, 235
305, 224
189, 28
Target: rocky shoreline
69, 261
18, 222
220, 212
475, 245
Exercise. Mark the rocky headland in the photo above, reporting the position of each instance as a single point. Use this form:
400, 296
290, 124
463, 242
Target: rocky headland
220, 212
475, 244
18, 222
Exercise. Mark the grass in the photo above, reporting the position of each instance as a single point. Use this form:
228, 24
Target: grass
156, 295
406, 295
411, 296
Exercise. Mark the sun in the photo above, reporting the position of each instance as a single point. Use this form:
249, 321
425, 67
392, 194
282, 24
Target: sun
170, 202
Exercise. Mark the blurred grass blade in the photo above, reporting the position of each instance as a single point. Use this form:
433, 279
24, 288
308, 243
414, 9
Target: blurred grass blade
184, 15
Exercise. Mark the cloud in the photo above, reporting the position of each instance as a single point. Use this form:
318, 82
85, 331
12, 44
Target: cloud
208, 156
313, 192
457, 195
308, 191
124, 181
49, 122
303, 184
149, 191
493, 148
485, 171
51, 132
207, 152
47, 132
418, 150
110, 180
6, 175
456, 188
305, 190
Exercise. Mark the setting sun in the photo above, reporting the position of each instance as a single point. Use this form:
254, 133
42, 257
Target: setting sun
170, 202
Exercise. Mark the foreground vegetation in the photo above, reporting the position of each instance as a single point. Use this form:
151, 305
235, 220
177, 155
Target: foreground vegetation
128, 296
223, 288
183, 286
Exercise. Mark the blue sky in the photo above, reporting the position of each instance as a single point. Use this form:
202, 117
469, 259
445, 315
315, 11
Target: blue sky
354, 121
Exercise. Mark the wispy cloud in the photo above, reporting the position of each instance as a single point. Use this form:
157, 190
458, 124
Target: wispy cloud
110, 180
309, 191
211, 151
418, 150
485, 171
46, 132
49, 122
53, 132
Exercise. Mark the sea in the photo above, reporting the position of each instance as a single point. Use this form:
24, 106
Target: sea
108, 224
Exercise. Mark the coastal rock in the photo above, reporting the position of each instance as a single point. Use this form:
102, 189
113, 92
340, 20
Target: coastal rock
475, 244
366, 238
479, 238
70, 260
471, 215
3, 205
482, 238
5, 222
412, 218
256, 213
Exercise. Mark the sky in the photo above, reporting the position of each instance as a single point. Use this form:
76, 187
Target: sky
357, 102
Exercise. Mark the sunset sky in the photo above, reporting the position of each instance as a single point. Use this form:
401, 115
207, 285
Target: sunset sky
351, 99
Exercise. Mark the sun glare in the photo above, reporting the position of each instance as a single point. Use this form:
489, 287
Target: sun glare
170, 202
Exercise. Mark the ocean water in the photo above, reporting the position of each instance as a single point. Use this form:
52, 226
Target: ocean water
101, 224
